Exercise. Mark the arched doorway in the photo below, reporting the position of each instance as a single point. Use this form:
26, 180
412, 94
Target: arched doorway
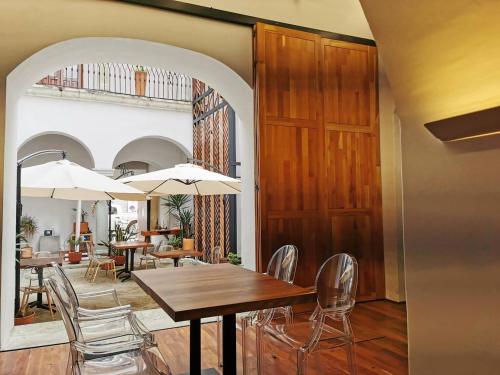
139, 52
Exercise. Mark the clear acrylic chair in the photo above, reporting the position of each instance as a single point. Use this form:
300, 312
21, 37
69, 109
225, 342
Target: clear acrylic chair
282, 266
336, 283
94, 350
74, 302
148, 258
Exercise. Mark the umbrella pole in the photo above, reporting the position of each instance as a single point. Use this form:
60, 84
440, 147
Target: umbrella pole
78, 221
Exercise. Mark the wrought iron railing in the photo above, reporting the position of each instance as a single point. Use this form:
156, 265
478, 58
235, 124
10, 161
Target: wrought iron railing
124, 79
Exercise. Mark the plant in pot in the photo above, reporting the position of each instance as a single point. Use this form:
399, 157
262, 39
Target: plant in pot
74, 257
141, 78
175, 241
176, 206
29, 227
25, 315
119, 234
84, 226
234, 258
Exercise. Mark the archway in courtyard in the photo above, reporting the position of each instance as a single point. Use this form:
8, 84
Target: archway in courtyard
136, 52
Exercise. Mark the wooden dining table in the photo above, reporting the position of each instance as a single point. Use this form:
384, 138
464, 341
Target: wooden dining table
39, 264
193, 293
176, 255
129, 247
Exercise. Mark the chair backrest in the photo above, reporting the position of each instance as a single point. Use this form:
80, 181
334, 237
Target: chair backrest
336, 283
64, 306
42, 254
63, 279
213, 255
283, 263
158, 245
166, 248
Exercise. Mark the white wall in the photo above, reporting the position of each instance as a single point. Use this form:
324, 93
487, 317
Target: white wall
103, 128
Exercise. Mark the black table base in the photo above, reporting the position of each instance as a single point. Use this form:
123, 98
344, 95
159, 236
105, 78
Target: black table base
228, 345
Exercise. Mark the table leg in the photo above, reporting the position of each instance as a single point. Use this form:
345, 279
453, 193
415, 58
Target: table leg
195, 347
132, 254
126, 261
39, 302
176, 262
229, 344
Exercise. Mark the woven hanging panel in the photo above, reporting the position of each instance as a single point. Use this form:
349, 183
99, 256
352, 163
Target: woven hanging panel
211, 145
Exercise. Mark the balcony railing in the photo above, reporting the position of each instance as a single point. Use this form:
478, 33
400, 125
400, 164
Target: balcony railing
123, 79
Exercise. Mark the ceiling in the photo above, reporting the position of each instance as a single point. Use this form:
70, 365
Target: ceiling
441, 57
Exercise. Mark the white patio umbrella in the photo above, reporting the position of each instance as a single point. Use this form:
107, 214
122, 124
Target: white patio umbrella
184, 179
63, 179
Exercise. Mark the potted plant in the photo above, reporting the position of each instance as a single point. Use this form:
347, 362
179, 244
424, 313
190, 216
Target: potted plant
186, 218
119, 234
175, 241
141, 78
25, 315
74, 257
176, 206
234, 258
29, 227
84, 226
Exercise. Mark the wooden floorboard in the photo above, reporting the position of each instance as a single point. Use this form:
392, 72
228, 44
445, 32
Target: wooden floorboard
379, 327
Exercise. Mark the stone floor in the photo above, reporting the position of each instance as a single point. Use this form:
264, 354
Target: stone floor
48, 331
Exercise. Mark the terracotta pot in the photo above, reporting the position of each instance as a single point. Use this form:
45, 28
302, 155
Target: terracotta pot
106, 267
26, 252
84, 227
28, 319
140, 83
188, 244
74, 257
119, 260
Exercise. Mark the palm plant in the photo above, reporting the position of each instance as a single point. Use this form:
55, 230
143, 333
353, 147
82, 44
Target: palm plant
176, 206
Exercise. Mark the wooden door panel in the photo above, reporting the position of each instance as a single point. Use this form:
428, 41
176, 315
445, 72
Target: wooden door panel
353, 234
291, 171
350, 169
303, 232
291, 78
317, 143
347, 80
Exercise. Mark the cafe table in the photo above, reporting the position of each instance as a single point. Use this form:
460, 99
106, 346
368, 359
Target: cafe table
193, 293
176, 255
129, 247
38, 264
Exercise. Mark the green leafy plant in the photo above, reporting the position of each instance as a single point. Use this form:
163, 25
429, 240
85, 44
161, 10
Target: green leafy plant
234, 258
176, 206
120, 234
175, 241
29, 227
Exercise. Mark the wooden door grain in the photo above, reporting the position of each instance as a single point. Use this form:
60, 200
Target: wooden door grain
317, 146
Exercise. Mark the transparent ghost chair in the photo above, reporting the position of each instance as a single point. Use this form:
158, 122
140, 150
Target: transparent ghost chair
336, 283
74, 307
148, 258
121, 353
282, 266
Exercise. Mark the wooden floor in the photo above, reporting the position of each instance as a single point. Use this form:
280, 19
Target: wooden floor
379, 327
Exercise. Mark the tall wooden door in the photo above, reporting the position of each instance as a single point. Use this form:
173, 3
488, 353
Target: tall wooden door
318, 171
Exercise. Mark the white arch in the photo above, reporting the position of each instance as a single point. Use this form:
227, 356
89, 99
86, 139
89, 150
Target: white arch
145, 158
64, 134
138, 52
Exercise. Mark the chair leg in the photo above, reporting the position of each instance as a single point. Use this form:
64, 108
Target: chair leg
219, 341
301, 362
260, 336
349, 347
49, 304
95, 273
244, 324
